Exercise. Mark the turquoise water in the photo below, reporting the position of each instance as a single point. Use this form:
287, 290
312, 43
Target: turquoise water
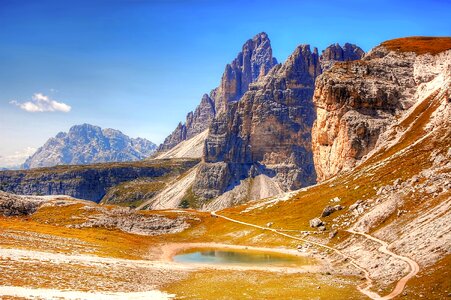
234, 257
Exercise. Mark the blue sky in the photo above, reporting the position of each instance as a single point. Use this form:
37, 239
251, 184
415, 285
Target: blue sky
140, 66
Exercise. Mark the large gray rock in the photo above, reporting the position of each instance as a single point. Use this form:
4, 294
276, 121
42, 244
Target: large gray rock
131, 221
87, 144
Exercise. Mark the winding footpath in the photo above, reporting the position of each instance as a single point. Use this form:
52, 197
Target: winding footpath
414, 267
364, 288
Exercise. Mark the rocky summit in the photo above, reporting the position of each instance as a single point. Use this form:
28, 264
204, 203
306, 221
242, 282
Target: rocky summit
87, 144
253, 62
268, 131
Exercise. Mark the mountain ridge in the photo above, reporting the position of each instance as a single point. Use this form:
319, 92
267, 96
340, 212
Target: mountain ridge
86, 144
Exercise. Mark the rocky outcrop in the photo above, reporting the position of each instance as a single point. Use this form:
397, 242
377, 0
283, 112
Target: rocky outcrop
128, 220
13, 205
253, 62
268, 131
335, 53
328, 210
86, 144
357, 101
90, 182
316, 222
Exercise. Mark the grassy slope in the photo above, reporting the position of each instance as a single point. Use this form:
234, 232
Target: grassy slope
162, 163
419, 44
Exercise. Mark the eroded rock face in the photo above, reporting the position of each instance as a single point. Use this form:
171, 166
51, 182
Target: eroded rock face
13, 205
335, 52
357, 101
128, 220
268, 131
90, 182
253, 62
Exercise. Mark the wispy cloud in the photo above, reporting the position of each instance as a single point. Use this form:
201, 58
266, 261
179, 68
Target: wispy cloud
17, 158
42, 103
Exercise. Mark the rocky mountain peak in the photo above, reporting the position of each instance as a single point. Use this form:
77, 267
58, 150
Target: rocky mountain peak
85, 144
267, 133
253, 62
302, 65
335, 52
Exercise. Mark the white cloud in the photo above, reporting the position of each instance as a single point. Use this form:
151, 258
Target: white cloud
41, 103
17, 158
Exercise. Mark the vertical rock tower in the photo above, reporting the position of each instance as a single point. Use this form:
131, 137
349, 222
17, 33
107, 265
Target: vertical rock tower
254, 61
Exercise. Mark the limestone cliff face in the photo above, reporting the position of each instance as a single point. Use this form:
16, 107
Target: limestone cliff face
357, 101
253, 62
267, 132
89, 182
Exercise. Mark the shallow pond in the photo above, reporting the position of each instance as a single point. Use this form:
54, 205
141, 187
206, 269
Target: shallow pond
232, 256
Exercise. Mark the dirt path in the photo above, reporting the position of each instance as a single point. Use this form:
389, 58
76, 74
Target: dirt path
364, 288
414, 267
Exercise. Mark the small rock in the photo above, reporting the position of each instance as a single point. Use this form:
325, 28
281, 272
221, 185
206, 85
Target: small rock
336, 199
338, 207
332, 234
327, 211
269, 224
316, 222
355, 205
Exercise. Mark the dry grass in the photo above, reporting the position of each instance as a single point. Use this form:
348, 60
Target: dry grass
432, 283
419, 44
160, 163
263, 285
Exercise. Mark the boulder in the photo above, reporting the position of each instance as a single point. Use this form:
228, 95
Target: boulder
328, 210
316, 222
332, 234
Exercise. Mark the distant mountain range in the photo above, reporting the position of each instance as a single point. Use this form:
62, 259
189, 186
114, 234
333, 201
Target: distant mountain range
87, 144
